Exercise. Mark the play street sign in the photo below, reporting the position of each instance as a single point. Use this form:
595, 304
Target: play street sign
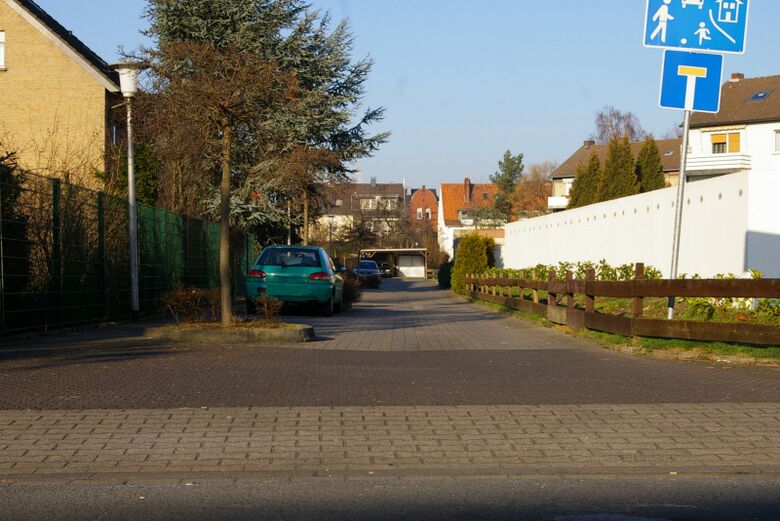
691, 81
697, 25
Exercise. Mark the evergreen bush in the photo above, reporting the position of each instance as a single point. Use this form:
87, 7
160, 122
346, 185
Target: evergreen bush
649, 167
445, 275
474, 256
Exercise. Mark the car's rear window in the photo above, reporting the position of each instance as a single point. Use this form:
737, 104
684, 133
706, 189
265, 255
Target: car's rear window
367, 264
290, 257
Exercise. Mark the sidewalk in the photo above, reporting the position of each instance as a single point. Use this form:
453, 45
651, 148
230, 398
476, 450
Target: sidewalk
593, 439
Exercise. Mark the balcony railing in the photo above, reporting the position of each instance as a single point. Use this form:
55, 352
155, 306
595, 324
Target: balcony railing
718, 162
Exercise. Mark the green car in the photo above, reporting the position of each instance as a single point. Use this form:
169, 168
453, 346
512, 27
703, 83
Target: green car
296, 274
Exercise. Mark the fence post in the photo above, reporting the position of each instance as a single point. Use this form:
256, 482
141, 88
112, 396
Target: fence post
590, 300
534, 291
569, 291
101, 215
56, 250
551, 297
637, 304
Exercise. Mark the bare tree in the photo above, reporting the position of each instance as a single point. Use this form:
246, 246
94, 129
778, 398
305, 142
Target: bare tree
226, 91
612, 123
534, 189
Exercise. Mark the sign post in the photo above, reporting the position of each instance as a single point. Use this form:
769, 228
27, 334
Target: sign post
691, 81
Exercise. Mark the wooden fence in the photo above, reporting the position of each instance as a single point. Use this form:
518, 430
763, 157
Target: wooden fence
560, 304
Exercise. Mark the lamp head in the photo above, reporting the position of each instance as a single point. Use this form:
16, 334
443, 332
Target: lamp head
128, 77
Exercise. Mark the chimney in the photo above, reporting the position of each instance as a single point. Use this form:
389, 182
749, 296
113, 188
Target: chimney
467, 190
373, 182
588, 143
736, 76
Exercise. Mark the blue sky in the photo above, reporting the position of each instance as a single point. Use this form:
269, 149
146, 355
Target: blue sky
464, 80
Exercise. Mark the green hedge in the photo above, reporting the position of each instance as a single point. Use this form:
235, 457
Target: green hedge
474, 255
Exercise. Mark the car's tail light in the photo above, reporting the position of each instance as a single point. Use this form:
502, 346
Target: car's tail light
320, 275
257, 273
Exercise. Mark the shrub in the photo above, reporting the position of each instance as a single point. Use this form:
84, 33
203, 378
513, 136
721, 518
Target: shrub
445, 275
191, 304
270, 308
350, 292
475, 255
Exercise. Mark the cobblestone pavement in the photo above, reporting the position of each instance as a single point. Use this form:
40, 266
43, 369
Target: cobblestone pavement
417, 316
522, 439
412, 381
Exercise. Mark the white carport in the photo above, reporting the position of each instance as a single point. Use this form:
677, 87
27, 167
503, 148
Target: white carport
408, 262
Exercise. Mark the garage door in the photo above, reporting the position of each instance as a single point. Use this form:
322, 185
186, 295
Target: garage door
411, 266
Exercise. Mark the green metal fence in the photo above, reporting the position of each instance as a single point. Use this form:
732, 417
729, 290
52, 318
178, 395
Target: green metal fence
64, 254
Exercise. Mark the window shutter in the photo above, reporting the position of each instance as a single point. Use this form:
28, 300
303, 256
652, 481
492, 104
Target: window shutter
2, 49
734, 143
718, 138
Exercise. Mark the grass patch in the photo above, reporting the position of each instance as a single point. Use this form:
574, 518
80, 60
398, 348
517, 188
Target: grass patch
658, 347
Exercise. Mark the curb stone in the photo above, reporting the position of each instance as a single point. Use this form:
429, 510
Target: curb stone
290, 333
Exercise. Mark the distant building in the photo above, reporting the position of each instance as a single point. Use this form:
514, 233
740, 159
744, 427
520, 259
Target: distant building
743, 136
380, 205
55, 96
424, 208
563, 177
458, 205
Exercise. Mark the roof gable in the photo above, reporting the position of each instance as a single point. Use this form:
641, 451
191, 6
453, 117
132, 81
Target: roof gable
668, 148
66, 42
453, 198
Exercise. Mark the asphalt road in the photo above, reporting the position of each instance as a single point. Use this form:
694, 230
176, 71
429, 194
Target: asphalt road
589, 498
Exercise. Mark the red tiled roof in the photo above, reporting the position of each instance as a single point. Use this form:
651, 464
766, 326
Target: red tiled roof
453, 198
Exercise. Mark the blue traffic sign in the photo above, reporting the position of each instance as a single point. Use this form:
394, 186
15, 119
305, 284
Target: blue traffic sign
691, 81
697, 25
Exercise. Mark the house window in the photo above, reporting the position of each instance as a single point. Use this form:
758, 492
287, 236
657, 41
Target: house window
368, 204
777, 141
427, 214
339, 202
466, 215
419, 214
726, 143
484, 196
2, 49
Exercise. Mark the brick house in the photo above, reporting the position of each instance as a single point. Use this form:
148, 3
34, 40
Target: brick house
381, 205
424, 208
55, 96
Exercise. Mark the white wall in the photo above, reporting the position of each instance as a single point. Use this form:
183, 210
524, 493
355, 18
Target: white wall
730, 223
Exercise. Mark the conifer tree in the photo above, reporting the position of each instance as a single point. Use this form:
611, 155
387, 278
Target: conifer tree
649, 167
585, 189
618, 178
507, 178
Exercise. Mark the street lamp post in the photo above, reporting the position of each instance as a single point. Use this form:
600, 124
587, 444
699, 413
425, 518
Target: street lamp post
128, 82
330, 233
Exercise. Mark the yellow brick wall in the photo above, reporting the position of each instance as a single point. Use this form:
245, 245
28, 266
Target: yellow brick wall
52, 112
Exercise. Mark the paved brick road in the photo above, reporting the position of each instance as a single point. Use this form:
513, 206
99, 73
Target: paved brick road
413, 380
592, 438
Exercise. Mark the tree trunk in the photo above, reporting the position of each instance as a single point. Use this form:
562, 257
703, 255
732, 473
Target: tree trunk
305, 218
226, 296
